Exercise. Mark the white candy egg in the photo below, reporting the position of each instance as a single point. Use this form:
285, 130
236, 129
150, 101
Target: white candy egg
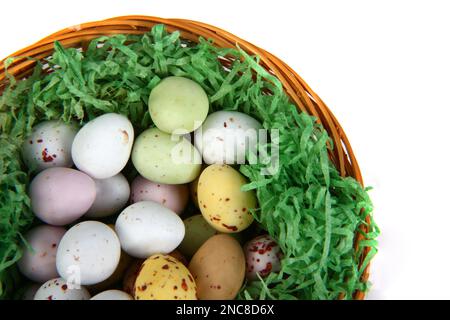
89, 252
147, 227
226, 136
49, 145
103, 146
112, 195
263, 256
59, 289
112, 295
38, 263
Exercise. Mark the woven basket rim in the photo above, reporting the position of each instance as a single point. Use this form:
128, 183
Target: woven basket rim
297, 89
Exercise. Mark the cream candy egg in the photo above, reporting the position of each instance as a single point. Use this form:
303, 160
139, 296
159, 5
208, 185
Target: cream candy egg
112, 295
263, 256
174, 197
146, 228
112, 195
102, 147
163, 158
59, 289
49, 145
89, 252
60, 196
38, 263
178, 103
226, 136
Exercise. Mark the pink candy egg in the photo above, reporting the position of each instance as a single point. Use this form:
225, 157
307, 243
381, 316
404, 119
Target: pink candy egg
174, 197
263, 256
60, 196
39, 262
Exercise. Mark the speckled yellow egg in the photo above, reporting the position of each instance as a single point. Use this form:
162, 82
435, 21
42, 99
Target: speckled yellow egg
163, 277
222, 202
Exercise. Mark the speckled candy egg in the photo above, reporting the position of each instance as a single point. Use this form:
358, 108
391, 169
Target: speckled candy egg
112, 195
59, 289
218, 268
102, 147
222, 203
49, 145
263, 256
88, 252
163, 277
226, 137
159, 158
39, 262
112, 295
178, 103
60, 196
197, 232
146, 228
174, 197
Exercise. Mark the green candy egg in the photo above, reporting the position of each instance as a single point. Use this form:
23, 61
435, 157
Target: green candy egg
161, 158
197, 231
178, 103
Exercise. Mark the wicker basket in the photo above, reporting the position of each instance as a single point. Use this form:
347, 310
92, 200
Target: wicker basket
301, 94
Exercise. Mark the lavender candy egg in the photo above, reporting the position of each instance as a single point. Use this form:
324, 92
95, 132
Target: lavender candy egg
112, 195
60, 196
174, 197
40, 264
263, 256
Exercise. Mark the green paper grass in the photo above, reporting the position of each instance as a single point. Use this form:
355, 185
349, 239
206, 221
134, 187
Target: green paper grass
311, 210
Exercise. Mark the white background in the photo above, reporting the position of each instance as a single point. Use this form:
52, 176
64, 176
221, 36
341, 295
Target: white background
383, 67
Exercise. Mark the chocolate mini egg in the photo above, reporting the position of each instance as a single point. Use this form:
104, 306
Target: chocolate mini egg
218, 268
146, 228
59, 289
38, 263
226, 137
174, 197
112, 295
197, 232
49, 145
163, 277
179, 256
130, 276
222, 202
88, 252
30, 291
102, 147
111, 196
178, 103
263, 256
161, 158
60, 196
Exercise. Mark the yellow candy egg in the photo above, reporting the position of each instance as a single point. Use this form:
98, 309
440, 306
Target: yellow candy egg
163, 277
222, 203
